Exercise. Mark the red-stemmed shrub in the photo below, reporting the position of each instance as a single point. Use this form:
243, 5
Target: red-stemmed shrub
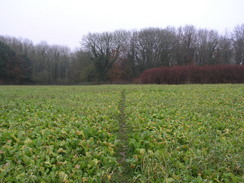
194, 74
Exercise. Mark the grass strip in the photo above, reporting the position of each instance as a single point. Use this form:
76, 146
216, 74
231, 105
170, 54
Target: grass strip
124, 173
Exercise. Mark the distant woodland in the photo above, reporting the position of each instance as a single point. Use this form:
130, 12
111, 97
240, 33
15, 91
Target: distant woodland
125, 57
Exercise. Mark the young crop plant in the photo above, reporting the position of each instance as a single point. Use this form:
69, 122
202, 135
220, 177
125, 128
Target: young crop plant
186, 133
57, 134
122, 133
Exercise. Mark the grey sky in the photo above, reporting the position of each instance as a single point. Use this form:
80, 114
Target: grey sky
64, 22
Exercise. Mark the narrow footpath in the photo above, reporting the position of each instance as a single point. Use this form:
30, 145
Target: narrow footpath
123, 175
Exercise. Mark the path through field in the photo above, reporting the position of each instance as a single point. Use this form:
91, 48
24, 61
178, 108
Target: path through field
124, 174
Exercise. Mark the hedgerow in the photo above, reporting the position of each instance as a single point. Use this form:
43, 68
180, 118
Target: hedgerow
194, 74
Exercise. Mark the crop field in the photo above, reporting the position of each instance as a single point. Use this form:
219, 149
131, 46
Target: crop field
122, 133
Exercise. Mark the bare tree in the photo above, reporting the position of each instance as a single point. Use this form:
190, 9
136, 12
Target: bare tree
50, 63
105, 48
225, 51
81, 67
187, 39
238, 36
152, 47
207, 42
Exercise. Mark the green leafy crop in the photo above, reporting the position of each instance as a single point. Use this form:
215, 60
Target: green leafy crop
177, 133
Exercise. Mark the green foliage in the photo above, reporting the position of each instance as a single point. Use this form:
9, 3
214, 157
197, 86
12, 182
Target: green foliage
190, 133
184, 133
57, 134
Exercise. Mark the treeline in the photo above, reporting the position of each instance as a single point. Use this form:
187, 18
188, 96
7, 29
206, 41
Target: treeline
118, 56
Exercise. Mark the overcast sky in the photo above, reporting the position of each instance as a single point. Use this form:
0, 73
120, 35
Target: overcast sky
64, 22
